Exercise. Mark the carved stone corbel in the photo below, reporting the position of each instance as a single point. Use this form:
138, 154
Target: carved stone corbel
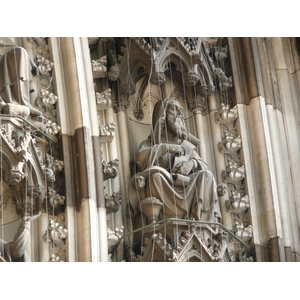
107, 132
13, 177
112, 203
191, 78
206, 90
122, 104
110, 169
158, 78
99, 67
197, 103
103, 99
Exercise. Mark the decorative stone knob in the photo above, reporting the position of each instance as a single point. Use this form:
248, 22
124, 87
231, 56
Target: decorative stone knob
151, 207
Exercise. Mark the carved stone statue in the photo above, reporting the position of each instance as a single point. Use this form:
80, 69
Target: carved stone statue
15, 251
172, 175
16, 70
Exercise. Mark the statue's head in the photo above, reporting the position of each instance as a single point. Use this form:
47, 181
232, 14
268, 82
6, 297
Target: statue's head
168, 115
140, 182
221, 189
175, 118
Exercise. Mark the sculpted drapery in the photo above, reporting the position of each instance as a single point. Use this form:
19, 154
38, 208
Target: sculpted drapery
15, 251
16, 70
171, 170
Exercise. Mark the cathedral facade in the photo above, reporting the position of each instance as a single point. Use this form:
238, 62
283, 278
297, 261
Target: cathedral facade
122, 149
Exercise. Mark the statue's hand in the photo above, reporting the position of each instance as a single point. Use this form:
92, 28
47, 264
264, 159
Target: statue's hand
177, 149
186, 167
32, 218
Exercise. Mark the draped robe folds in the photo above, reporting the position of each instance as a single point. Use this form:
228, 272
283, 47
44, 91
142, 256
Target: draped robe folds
196, 200
16, 78
15, 251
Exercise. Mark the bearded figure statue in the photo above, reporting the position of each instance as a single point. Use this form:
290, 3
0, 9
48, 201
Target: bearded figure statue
172, 172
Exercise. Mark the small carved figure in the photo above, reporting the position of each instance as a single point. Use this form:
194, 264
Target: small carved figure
173, 171
113, 73
16, 70
15, 251
221, 189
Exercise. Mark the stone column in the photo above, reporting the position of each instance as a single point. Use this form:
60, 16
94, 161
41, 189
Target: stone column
97, 153
289, 93
261, 157
124, 167
200, 132
79, 129
115, 183
44, 253
247, 153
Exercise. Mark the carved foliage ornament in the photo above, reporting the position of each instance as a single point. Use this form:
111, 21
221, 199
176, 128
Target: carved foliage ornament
110, 169
99, 67
234, 174
55, 234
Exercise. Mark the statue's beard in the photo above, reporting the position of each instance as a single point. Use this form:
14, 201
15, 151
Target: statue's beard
176, 124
